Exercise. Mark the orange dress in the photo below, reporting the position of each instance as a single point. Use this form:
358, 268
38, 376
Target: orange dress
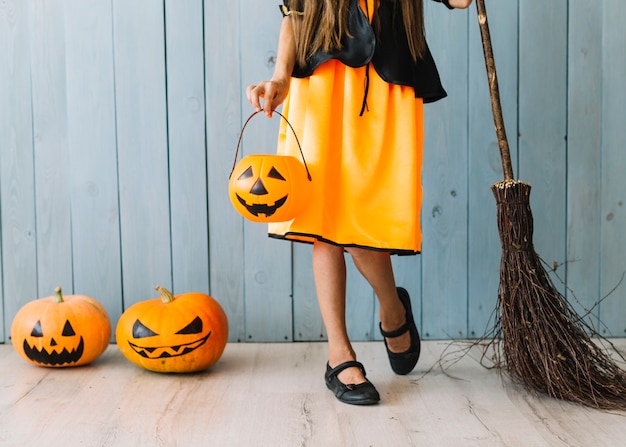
366, 170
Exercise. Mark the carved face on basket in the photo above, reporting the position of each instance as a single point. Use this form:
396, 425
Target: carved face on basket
269, 188
173, 334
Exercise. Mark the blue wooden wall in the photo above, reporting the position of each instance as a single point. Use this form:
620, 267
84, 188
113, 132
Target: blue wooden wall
118, 125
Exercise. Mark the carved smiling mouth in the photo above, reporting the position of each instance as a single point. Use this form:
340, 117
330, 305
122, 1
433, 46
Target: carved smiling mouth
159, 352
54, 358
261, 208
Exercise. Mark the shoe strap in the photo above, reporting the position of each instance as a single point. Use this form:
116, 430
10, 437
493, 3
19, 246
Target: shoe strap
392, 334
345, 365
408, 317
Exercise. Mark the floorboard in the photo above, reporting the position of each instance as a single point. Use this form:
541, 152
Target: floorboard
274, 395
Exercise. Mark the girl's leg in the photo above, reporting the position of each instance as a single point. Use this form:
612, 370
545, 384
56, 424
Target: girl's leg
329, 270
376, 267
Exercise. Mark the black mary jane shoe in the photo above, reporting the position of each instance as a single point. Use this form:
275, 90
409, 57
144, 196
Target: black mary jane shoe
403, 362
360, 394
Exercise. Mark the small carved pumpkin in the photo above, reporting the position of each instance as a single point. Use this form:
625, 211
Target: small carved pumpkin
60, 331
269, 188
183, 333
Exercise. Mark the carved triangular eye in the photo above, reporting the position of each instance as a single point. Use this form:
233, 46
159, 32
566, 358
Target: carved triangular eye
246, 174
275, 174
258, 189
68, 330
37, 332
195, 327
140, 330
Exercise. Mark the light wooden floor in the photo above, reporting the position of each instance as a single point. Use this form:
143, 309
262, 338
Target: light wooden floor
274, 395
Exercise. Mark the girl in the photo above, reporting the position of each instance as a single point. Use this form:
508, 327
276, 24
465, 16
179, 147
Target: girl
353, 76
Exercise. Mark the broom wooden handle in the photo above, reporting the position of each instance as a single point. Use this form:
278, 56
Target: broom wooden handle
494, 93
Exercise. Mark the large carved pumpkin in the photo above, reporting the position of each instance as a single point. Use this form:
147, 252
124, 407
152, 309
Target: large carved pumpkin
269, 188
60, 331
182, 333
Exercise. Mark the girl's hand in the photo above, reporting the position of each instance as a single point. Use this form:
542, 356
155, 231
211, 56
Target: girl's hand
273, 93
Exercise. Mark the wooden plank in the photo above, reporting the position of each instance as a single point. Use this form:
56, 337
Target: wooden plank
584, 145
267, 276
274, 395
307, 319
485, 165
267, 265
69, 71
142, 147
187, 158
51, 155
223, 122
613, 212
542, 120
92, 144
444, 213
17, 207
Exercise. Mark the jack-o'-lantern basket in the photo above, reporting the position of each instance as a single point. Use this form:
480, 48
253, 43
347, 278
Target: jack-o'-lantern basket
269, 188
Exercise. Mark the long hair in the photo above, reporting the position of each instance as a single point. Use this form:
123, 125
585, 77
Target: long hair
325, 22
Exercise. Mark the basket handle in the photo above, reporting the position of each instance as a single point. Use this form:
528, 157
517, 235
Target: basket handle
294, 134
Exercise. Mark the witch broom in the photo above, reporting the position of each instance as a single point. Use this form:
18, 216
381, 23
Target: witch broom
545, 345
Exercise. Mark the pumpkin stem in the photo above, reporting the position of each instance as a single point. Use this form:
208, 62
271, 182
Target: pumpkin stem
59, 294
166, 296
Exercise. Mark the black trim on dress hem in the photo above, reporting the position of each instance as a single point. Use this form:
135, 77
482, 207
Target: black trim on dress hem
393, 251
